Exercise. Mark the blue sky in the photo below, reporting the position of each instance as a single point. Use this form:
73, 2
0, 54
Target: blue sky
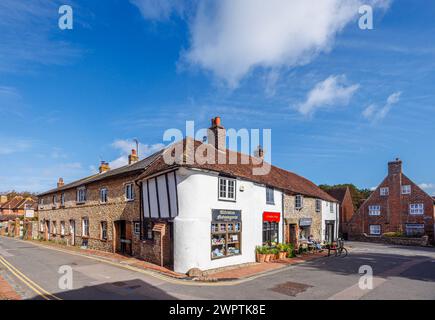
341, 101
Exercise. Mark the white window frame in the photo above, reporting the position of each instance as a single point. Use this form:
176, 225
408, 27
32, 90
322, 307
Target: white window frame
129, 192
318, 205
375, 233
270, 195
85, 234
81, 195
384, 191
104, 195
224, 186
62, 228
416, 209
136, 228
299, 198
374, 210
406, 189
331, 207
104, 230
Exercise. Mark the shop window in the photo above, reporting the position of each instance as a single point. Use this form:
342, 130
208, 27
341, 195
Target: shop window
270, 232
304, 232
148, 230
226, 233
104, 230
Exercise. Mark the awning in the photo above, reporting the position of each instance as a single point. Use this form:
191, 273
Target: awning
271, 216
305, 222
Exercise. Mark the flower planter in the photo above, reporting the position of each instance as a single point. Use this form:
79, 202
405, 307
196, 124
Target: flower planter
268, 257
282, 255
261, 257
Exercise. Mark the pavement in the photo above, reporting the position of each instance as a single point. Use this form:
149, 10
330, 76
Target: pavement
37, 272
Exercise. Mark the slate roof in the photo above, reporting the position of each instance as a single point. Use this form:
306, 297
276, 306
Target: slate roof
128, 169
276, 177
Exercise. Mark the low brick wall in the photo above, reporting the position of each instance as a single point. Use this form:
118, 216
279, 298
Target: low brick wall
404, 241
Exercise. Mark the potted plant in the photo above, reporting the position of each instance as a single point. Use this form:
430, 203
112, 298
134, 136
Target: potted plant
274, 254
260, 254
282, 251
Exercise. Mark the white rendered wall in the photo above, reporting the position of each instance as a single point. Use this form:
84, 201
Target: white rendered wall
328, 215
197, 196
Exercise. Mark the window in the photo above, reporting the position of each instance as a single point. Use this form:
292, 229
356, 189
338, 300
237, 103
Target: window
41, 201
414, 229
331, 207
227, 189
270, 196
375, 210
416, 208
104, 230
54, 229
385, 191
299, 202
81, 195
103, 195
318, 205
137, 228
41, 226
129, 192
55, 200
148, 229
406, 189
62, 199
62, 228
225, 239
85, 227
375, 229
270, 232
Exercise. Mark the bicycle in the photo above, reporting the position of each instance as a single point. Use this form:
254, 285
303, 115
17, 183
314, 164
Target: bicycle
340, 250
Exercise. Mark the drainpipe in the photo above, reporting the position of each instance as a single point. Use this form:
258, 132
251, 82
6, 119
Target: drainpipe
140, 185
282, 214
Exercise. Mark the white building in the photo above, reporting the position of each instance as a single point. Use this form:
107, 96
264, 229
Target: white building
213, 215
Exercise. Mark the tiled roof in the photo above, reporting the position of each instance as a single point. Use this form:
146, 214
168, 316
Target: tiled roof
128, 169
337, 193
276, 177
13, 203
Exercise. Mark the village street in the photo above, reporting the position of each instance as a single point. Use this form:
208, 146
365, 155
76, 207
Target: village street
399, 273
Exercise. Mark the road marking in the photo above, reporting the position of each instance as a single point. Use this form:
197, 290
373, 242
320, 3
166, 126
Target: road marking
31, 284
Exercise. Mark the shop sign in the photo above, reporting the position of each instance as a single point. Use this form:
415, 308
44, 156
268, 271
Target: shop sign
271, 216
219, 215
305, 222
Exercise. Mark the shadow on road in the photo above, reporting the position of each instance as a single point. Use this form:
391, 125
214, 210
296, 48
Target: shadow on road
123, 290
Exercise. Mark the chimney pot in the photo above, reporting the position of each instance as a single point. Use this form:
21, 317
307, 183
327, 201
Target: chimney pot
60, 183
216, 134
104, 166
395, 167
133, 157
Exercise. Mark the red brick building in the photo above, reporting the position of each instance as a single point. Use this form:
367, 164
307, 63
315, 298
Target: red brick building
397, 205
347, 209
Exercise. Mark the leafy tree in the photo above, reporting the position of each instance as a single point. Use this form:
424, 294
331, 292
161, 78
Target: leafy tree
358, 195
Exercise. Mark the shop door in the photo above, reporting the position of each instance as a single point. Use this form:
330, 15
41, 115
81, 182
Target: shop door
123, 231
329, 236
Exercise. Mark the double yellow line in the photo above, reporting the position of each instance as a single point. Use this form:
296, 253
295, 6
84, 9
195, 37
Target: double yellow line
23, 278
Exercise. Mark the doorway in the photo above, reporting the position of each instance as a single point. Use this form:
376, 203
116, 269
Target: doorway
293, 234
329, 231
123, 237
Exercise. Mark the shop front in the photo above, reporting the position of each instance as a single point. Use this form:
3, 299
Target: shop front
226, 233
305, 228
271, 227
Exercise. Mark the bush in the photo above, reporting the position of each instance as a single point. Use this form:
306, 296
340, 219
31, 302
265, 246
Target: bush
393, 234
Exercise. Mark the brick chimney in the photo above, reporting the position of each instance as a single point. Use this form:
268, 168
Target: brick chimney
104, 166
3, 199
216, 134
60, 183
395, 167
259, 152
133, 157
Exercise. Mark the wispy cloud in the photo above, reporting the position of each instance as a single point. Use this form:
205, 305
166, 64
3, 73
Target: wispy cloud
428, 187
125, 147
159, 9
27, 29
328, 93
11, 146
376, 114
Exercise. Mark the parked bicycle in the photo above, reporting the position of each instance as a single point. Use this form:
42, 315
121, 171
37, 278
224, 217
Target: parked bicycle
338, 248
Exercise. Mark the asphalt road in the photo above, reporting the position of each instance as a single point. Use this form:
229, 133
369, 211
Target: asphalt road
399, 273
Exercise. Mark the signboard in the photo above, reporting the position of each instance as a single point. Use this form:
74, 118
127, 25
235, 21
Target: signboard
271, 216
29, 213
219, 215
305, 222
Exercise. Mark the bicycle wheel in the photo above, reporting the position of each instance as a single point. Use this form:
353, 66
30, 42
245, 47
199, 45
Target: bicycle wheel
343, 252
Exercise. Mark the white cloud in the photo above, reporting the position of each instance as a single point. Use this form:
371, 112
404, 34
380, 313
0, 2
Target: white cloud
232, 37
330, 92
125, 147
376, 114
11, 146
159, 9
428, 187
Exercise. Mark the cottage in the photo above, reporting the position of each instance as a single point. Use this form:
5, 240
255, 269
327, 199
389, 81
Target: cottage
212, 215
397, 205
